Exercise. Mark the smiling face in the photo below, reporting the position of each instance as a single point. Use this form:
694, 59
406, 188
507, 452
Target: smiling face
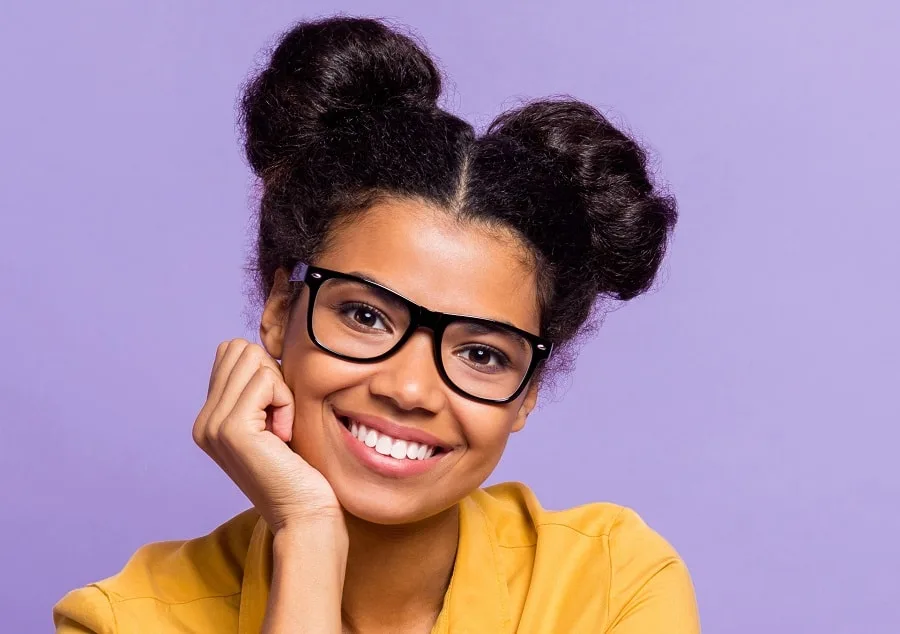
425, 446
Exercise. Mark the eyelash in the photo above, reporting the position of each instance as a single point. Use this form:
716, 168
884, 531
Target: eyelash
348, 306
503, 360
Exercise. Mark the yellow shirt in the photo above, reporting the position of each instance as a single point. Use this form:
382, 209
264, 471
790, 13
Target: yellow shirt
592, 569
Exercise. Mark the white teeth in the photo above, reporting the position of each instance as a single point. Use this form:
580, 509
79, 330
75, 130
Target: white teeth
387, 446
384, 444
398, 450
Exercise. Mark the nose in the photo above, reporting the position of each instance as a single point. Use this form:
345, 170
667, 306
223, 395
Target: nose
409, 378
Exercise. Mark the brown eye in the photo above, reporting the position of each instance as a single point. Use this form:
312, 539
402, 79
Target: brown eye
484, 358
364, 316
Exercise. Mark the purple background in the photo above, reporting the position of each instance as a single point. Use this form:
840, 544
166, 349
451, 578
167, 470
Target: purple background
748, 409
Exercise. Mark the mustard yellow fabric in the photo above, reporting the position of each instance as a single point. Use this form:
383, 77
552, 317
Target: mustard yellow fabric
592, 569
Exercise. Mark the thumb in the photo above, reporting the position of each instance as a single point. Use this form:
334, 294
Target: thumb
282, 410
280, 421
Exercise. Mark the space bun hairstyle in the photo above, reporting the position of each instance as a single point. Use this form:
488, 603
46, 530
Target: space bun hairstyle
346, 112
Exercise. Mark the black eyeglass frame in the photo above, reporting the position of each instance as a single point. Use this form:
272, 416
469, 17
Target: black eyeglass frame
419, 317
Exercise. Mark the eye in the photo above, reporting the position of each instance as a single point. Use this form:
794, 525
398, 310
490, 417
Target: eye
363, 316
484, 358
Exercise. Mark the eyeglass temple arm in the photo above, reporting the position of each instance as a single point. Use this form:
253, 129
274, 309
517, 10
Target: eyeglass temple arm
299, 272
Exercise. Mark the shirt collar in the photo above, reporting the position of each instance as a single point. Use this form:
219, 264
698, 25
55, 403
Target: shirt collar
477, 600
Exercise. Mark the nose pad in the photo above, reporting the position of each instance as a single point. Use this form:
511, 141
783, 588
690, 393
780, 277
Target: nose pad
409, 378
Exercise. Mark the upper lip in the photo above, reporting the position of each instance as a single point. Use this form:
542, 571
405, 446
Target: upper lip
395, 431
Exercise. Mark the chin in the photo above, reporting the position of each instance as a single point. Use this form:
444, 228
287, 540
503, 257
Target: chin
386, 508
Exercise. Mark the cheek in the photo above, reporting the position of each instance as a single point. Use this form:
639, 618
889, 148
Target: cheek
313, 376
311, 373
486, 428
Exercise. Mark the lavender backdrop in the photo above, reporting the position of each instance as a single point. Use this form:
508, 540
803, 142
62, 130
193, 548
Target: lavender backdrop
748, 409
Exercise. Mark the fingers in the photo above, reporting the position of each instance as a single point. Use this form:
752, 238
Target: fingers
250, 359
220, 352
265, 390
282, 416
241, 440
227, 355
244, 426
268, 386
246, 383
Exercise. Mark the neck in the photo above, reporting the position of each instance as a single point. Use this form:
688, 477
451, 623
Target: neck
397, 576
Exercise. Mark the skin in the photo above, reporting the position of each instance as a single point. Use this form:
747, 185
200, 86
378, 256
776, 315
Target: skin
383, 548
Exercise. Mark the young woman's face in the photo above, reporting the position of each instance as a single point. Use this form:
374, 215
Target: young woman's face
446, 266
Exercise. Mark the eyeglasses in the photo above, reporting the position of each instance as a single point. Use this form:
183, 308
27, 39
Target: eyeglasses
358, 320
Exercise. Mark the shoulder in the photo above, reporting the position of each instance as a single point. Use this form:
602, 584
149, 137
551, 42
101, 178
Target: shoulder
178, 571
602, 554
520, 519
163, 574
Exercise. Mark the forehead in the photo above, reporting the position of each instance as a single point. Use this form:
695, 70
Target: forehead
438, 261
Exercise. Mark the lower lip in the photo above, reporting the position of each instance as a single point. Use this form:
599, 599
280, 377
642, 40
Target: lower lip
385, 465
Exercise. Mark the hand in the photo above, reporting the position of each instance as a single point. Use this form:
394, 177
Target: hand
244, 426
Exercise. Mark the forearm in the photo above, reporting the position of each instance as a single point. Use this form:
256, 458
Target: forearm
307, 581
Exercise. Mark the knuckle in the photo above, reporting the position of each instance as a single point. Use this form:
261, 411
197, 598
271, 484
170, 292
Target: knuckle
229, 347
226, 432
200, 420
211, 438
255, 352
197, 435
208, 430
201, 434
247, 352
268, 374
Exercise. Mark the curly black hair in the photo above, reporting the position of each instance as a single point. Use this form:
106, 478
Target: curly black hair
346, 113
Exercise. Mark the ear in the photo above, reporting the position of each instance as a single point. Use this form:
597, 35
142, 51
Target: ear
274, 319
525, 408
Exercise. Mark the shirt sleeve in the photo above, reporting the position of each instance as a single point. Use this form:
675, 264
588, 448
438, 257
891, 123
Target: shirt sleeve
652, 589
84, 611
665, 603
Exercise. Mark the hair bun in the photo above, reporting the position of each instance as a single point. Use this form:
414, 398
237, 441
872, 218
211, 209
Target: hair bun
602, 191
326, 71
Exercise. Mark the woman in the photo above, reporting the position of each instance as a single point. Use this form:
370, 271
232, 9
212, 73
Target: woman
416, 280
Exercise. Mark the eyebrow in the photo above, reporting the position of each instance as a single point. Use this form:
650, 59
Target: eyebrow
476, 328
373, 280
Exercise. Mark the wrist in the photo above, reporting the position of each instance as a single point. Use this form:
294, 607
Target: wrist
319, 536
309, 564
303, 520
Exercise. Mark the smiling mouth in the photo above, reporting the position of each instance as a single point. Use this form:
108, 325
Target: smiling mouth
385, 445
